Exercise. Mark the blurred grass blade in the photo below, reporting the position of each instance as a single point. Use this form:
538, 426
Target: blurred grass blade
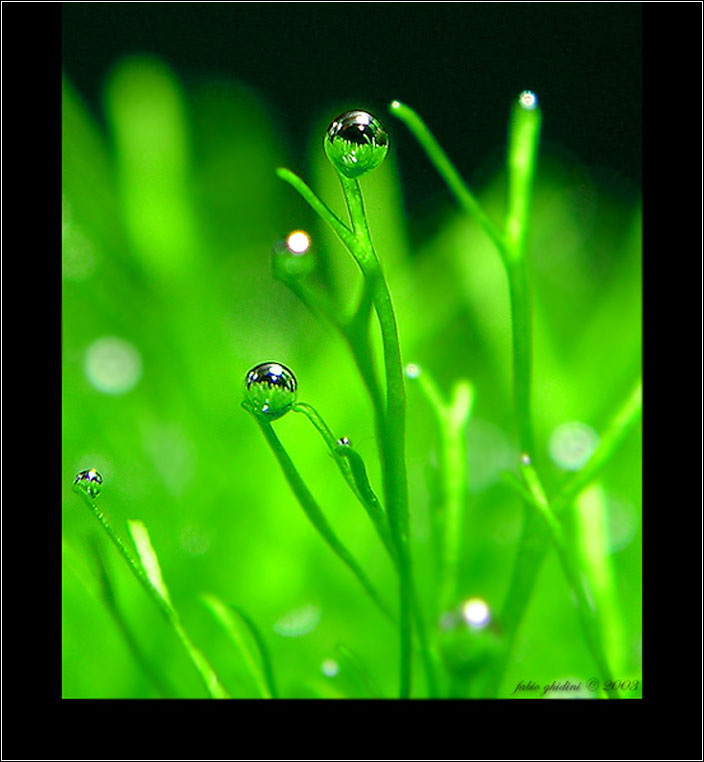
147, 555
452, 419
147, 115
522, 157
591, 530
573, 572
234, 621
621, 424
109, 597
354, 663
150, 566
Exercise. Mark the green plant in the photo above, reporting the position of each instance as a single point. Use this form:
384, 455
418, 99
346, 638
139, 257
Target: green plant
462, 646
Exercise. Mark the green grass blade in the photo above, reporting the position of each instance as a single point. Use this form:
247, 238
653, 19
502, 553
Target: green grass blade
318, 206
109, 597
621, 424
452, 419
211, 680
316, 515
148, 557
232, 619
594, 557
152, 570
522, 158
466, 199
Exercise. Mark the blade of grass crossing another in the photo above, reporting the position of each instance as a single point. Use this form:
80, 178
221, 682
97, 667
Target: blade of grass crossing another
150, 566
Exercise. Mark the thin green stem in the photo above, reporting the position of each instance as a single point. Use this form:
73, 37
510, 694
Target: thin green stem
352, 468
212, 683
511, 245
585, 609
389, 414
392, 428
315, 514
452, 419
621, 424
447, 171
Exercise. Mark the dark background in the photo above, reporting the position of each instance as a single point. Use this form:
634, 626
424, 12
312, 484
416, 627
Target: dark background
458, 64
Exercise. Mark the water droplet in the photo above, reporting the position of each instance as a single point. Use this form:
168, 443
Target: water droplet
344, 441
528, 100
270, 390
356, 142
525, 459
572, 444
89, 482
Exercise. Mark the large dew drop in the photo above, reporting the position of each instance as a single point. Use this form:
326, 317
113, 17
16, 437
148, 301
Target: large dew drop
90, 482
270, 390
356, 142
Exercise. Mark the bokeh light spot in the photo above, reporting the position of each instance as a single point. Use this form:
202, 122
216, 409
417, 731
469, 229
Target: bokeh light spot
572, 444
113, 365
475, 612
298, 622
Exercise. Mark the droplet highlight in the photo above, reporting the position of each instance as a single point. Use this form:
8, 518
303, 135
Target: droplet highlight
270, 390
90, 482
356, 142
344, 441
528, 100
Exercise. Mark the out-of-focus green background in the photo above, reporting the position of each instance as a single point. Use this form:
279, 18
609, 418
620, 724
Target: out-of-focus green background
174, 119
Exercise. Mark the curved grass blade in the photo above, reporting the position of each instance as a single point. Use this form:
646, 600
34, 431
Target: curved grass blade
138, 530
152, 571
233, 619
316, 515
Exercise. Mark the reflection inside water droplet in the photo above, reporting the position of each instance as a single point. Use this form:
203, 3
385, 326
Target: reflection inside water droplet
89, 482
270, 390
356, 142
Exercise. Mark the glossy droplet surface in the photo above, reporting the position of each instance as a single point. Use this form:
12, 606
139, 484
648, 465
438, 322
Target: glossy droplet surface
270, 390
89, 482
356, 142
344, 441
